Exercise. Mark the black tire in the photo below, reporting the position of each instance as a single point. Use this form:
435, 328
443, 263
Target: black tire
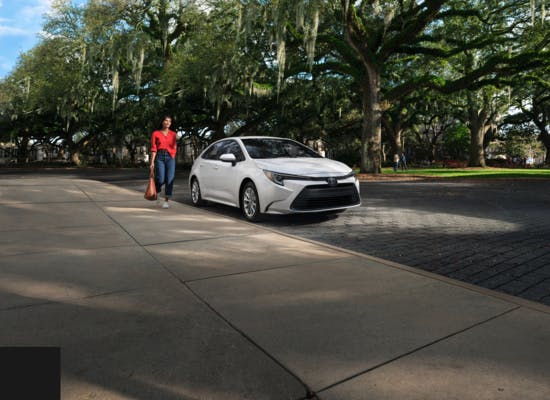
250, 203
196, 197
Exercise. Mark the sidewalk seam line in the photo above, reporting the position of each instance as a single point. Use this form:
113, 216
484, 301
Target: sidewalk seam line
408, 353
64, 301
309, 392
197, 240
296, 265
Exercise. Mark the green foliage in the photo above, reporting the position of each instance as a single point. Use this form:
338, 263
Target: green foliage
456, 142
304, 69
475, 173
522, 146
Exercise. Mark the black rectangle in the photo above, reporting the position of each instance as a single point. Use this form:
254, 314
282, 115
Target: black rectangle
30, 373
320, 197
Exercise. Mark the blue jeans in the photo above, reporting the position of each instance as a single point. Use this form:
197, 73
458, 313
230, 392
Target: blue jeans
165, 170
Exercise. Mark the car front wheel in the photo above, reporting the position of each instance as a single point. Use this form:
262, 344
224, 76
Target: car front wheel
196, 197
250, 204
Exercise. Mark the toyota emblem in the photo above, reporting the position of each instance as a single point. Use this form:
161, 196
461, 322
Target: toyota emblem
332, 181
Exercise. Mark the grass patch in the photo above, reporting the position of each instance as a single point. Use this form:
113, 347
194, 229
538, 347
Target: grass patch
474, 173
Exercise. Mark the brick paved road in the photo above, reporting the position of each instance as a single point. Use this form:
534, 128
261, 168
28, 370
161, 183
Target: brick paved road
492, 234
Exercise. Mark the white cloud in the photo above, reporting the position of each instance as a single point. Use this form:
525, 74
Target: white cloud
11, 31
35, 12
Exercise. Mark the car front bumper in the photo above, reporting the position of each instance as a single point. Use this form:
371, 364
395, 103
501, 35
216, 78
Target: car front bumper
309, 196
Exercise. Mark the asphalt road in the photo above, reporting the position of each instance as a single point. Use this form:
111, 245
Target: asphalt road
494, 234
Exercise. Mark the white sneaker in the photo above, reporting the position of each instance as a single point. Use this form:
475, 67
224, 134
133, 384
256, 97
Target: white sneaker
166, 205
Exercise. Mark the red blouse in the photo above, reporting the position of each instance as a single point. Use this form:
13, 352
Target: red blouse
161, 142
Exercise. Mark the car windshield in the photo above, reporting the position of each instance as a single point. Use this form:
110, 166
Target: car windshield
276, 148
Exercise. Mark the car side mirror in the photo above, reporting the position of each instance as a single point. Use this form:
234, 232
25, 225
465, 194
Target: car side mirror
229, 157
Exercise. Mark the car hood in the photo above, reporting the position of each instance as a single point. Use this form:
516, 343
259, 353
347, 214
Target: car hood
314, 167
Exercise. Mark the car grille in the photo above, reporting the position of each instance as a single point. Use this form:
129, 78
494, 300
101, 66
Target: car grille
320, 197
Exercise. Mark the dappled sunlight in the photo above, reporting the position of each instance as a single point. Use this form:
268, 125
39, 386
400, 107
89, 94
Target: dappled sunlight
206, 254
125, 304
131, 210
23, 206
284, 300
170, 215
210, 258
80, 252
178, 390
40, 290
446, 221
74, 191
231, 250
41, 195
73, 387
309, 298
302, 251
190, 234
70, 293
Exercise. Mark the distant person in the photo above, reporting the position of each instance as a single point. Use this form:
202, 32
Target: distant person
395, 162
163, 158
403, 161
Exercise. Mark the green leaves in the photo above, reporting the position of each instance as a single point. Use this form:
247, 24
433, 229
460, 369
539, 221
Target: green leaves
309, 69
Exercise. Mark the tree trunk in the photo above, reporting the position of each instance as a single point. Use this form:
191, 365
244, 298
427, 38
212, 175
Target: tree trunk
371, 135
433, 151
394, 130
371, 129
545, 139
23, 150
477, 153
74, 150
75, 157
477, 120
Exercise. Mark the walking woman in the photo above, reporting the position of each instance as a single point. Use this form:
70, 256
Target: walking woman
163, 158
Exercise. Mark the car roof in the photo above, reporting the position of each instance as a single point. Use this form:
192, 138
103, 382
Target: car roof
261, 137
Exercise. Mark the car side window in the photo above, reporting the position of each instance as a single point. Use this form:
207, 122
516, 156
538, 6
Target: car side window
235, 149
214, 151
224, 147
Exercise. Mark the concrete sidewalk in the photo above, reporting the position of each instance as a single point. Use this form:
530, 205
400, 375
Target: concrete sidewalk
148, 303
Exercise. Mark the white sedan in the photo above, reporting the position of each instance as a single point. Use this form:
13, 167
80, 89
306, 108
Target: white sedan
263, 174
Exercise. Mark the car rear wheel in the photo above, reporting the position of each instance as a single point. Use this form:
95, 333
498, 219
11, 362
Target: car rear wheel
196, 197
250, 204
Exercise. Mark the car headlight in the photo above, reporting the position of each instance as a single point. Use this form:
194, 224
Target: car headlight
275, 177
279, 178
355, 178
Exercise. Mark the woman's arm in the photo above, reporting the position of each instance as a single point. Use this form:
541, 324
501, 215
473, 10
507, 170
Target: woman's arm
153, 152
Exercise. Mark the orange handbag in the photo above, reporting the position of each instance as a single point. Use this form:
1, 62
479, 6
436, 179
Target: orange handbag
151, 192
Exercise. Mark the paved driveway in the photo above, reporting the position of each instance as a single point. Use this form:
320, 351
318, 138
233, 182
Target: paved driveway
494, 234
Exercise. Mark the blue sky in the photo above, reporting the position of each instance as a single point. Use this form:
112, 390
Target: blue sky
20, 24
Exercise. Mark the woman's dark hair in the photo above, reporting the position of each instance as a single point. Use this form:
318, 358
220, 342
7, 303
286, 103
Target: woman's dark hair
163, 118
